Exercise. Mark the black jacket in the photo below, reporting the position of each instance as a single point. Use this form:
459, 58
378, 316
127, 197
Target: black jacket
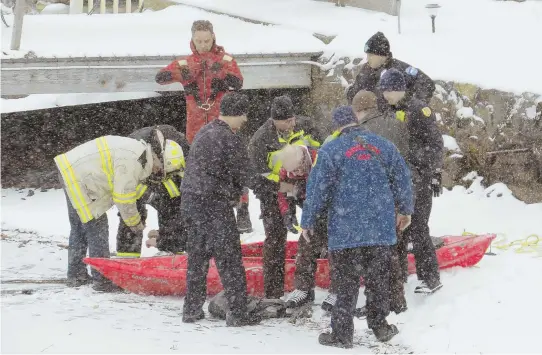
426, 146
216, 167
419, 85
265, 141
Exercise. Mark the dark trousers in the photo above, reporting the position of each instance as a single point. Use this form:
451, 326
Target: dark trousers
94, 236
348, 267
212, 233
172, 234
274, 247
425, 255
308, 253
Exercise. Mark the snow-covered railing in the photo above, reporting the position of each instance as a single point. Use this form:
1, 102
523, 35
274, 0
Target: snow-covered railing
76, 6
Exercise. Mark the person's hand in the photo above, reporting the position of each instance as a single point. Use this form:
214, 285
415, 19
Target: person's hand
402, 222
306, 234
436, 183
290, 222
153, 234
286, 187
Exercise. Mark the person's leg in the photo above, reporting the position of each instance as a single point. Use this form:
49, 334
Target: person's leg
97, 233
347, 264
424, 251
77, 249
274, 249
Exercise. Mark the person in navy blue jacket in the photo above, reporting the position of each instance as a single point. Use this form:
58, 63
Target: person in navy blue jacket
366, 184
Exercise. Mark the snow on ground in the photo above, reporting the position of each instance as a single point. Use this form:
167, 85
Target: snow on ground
450, 143
475, 40
165, 32
487, 308
37, 102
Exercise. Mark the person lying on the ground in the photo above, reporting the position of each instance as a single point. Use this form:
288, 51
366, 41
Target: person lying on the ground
262, 308
297, 161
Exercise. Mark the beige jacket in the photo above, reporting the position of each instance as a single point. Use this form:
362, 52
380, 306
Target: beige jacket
104, 172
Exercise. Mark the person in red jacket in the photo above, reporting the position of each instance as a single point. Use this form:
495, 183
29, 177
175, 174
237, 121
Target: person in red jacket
206, 75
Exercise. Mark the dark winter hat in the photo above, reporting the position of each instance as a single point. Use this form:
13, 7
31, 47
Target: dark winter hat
342, 116
282, 108
378, 44
234, 104
392, 80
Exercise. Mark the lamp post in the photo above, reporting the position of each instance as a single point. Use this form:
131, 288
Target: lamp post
432, 9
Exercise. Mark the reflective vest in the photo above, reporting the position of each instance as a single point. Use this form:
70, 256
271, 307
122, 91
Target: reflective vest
273, 161
104, 172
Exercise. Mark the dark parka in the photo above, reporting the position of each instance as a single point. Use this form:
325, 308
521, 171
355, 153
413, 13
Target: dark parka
419, 85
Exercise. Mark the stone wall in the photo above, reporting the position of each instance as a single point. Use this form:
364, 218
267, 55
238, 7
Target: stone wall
481, 121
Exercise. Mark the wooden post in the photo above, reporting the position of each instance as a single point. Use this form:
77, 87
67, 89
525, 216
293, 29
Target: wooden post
115, 6
90, 6
102, 7
76, 7
140, 6
128, 6
17, 25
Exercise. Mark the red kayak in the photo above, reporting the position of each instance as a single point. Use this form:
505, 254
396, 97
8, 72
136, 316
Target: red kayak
166, 275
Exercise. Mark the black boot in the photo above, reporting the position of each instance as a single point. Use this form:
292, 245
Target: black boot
244, 225
329, 339
192, 318
106, 286
78, 281
240, 321
385, 332
428, 287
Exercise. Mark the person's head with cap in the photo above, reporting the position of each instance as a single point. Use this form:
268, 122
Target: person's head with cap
234, 109
378, 50
282, 113
364, 103
393, 86
342, 117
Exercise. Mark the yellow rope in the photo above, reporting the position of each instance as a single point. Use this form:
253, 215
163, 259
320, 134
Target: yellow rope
530, 244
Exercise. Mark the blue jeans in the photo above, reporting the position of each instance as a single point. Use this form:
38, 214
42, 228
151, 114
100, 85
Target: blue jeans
94, 236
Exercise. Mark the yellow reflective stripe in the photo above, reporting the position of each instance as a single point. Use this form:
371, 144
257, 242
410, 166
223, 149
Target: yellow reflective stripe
274, 163
171, 188
137, 255
333, 136
313, 143
133, 221
272, 176
140, 190
400, 115
73, 188
105, 157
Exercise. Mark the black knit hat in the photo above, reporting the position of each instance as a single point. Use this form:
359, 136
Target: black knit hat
234, 104
282, 108
378, 44
392, 80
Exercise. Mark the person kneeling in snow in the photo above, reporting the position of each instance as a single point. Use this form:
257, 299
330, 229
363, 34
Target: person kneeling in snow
364, 179
297, 161
97, 175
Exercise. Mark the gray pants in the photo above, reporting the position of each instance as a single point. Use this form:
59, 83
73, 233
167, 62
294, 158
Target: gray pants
93, 235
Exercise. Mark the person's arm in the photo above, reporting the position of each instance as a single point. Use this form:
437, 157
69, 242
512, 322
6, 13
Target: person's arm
400, 181
319, 185
230, 78
264, 183
430, 157
126, 192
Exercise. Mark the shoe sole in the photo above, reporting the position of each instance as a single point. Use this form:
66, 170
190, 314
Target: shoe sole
429, 292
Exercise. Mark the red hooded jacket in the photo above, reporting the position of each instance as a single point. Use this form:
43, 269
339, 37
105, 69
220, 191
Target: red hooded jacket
205, 77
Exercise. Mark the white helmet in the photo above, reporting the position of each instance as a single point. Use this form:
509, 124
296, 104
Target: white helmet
173, 157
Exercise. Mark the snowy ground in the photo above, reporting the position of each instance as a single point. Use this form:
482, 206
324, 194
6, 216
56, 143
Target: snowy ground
476, 40
489, 308
165, 32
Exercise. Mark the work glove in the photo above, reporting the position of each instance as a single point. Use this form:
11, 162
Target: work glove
436, 183
153, 236
290, 222
218, 85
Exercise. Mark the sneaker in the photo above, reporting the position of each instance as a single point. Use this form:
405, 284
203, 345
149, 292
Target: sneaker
329, 339
329, 302
193, 318
247, 319
428, 288
386, 332
297, 298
